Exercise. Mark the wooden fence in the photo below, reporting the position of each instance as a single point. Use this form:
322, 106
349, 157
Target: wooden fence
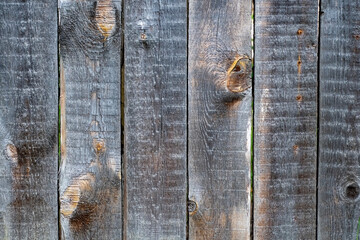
179, 119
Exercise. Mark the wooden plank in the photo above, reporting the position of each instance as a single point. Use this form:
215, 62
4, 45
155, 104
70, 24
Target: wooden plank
28, 119
339, 169
220, 113
155, 119
90, 177
285, 140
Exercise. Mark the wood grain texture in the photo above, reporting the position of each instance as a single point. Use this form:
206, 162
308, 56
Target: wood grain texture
285, 119
155, 119
90, 73
339, 169
28, 119
219, 119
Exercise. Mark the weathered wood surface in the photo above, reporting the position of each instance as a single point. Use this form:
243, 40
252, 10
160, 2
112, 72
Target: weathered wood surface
219, 125
90, 73
28, 119
220, 97
285, 119
339, 144
155, 119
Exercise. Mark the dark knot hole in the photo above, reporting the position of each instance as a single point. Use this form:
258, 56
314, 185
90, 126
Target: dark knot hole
352, 191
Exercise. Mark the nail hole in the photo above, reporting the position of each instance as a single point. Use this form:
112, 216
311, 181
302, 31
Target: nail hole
300, 32
299, 98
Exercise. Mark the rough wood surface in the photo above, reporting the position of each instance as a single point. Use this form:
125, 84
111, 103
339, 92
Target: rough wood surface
339, 169
90, 177
28, 119
155, 119
219, 119
285, 119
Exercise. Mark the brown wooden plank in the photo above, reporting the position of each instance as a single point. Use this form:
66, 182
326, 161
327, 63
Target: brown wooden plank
90, 179
220, 97
28, 119
285, 119
155, 119
339, 169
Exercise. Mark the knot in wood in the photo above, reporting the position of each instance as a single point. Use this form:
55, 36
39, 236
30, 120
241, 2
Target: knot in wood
238, 77
99, 146
12, 152
192, 207
105, 17
143, 36
70, 199
352, 191
349, 189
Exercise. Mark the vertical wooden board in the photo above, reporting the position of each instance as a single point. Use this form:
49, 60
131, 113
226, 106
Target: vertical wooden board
28, 119
285, 119
220, 112
339, 169
155, 119
90, 73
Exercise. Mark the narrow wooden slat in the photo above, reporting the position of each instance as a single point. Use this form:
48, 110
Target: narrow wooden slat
285, 119
220, 99
339, 169
28, 119
90, 177
155, 119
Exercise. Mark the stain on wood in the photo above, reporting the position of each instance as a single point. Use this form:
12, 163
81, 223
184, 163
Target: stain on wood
339, 134
90, 176
219, 118
28, 120
299, 65
155, 119
285, 139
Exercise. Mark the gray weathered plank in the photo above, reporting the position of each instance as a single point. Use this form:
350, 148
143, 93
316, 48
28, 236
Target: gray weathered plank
28, 119
339, 143
155, 119
220, 111
285, 119
90, 73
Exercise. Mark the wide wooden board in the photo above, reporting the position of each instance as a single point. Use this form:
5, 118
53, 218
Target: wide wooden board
155, 119
28, 119
339, 144
285, 138
90, 74
220, 113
